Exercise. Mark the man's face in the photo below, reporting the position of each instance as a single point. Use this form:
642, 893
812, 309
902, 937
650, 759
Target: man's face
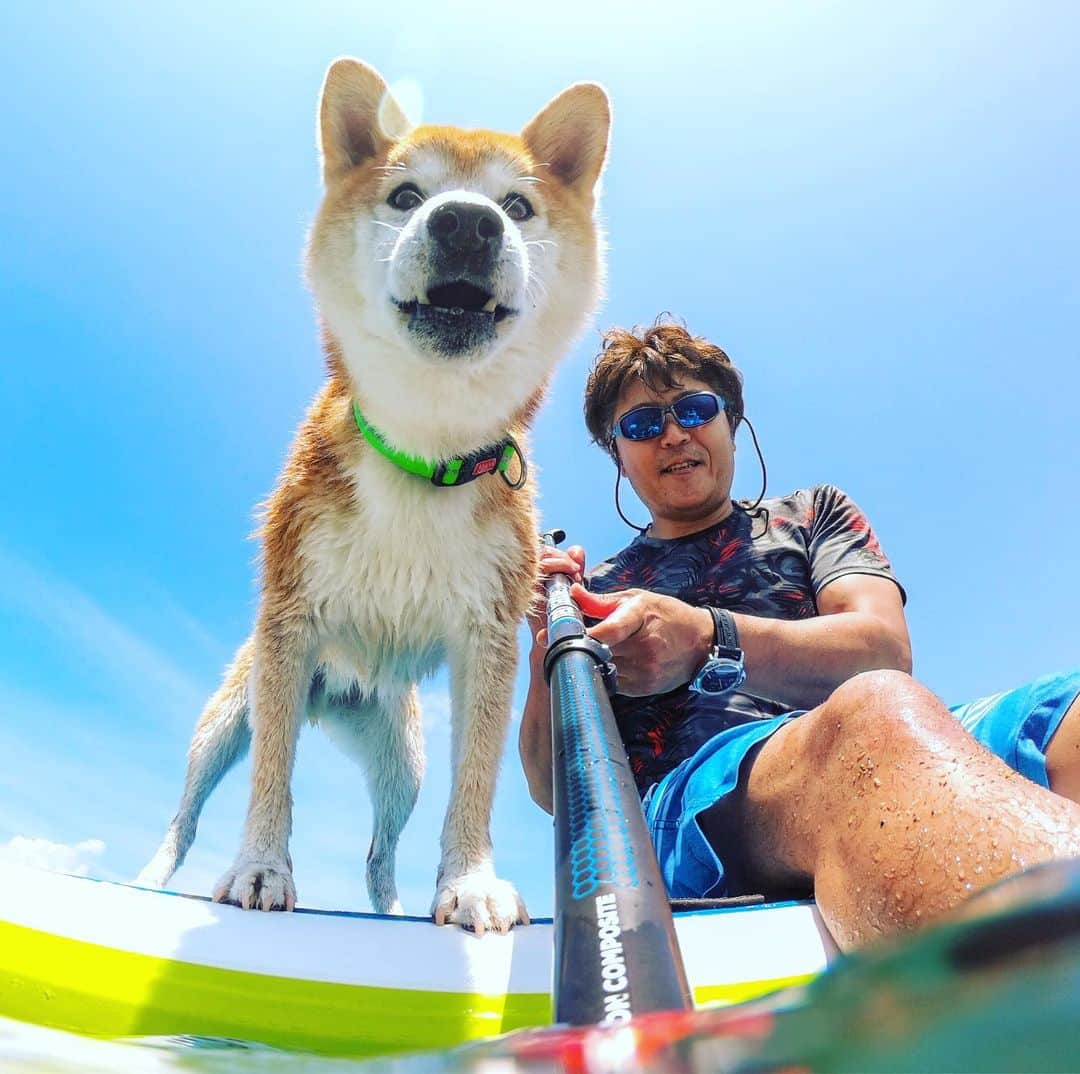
683, 476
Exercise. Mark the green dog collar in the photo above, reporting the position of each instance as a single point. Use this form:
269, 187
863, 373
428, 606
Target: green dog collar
459, 470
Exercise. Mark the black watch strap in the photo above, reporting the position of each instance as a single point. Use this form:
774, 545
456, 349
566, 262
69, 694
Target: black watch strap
726, 632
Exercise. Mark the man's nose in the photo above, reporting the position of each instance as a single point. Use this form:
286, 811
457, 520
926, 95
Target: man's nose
673, 432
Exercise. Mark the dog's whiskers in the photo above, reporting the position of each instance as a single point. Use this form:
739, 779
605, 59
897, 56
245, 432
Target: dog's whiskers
391, 227
535, 288
390, 244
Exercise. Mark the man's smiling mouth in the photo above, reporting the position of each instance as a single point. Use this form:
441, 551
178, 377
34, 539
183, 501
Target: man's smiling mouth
683, 467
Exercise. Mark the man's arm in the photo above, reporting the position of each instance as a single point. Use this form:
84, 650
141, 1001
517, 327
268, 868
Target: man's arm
534, 735
861, 627
659, 642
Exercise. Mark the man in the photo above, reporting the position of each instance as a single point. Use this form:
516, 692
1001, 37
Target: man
827, 767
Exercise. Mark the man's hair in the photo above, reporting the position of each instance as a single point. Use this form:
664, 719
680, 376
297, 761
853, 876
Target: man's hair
660, 357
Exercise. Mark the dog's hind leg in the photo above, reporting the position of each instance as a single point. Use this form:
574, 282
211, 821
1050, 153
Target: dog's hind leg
386, 736
221, 738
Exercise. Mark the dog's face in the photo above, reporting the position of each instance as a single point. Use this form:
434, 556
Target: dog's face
456, 264
453, 246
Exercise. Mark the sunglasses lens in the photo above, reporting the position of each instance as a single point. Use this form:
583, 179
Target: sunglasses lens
694, 410
643, 423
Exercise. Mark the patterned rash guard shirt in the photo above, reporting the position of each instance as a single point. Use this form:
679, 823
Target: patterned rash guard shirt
773, 564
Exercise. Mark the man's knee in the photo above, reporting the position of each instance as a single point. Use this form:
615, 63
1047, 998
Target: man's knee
885, 688
821, 766
874, 710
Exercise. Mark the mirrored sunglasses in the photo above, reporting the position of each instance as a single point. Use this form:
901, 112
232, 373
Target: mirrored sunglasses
691, 412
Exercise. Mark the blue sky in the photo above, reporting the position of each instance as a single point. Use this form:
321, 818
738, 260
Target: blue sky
871, 207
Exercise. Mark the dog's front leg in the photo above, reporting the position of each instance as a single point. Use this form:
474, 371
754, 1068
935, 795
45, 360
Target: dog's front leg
468, 892
261, 876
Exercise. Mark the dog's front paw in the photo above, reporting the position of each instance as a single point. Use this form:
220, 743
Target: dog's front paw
480, 902
257, 885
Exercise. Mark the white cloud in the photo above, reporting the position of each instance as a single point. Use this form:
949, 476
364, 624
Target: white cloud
435, 705
78, 860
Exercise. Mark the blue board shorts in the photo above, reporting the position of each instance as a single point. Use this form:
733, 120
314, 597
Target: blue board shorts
1016, 725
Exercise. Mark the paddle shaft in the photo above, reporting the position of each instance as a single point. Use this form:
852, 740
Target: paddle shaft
616, 954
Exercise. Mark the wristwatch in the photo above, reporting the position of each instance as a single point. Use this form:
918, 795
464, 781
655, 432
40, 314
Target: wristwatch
724, 670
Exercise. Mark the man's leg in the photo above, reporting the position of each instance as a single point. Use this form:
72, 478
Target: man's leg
892, 810
1034, 728
1063, 755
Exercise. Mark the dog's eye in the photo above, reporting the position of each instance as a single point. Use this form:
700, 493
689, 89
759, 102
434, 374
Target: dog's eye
517, 208
405, 197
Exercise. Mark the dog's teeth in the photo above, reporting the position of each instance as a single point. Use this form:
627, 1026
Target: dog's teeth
489, 305
422, 302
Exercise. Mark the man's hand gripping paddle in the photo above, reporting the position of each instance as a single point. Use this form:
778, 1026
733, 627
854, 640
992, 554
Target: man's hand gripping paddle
616, 954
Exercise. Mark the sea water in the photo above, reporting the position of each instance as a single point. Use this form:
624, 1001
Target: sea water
26, 1049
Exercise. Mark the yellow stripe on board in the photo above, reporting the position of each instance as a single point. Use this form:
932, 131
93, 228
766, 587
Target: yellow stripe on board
726, 995
100, 991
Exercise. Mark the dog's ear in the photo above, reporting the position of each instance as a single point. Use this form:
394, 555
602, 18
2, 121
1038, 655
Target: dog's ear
358, 117
570, 134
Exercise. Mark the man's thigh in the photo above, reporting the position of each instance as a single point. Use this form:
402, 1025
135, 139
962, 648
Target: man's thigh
1063, 755
1034, 729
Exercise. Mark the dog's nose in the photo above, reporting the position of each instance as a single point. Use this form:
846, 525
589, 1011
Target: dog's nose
461, 227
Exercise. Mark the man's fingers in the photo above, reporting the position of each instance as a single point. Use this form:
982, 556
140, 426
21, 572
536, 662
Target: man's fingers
621, 614
560, 561
623, 623
595, 605
577, 554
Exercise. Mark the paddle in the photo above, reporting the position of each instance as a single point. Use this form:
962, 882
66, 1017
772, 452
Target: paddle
616, 954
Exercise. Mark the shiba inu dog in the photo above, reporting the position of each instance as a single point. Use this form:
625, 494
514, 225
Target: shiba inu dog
451, 270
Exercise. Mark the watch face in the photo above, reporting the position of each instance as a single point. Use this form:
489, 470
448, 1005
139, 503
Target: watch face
718, 676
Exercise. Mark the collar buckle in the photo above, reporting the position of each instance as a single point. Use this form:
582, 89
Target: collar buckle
495, 458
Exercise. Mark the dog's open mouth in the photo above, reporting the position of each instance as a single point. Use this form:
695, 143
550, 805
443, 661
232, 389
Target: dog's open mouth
459, 301
455, 318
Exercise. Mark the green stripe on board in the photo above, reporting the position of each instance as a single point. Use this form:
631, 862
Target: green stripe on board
100, 991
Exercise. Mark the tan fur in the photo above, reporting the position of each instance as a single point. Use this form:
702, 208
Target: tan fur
370, 575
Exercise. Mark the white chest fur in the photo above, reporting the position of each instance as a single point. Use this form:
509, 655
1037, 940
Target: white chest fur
397, 576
